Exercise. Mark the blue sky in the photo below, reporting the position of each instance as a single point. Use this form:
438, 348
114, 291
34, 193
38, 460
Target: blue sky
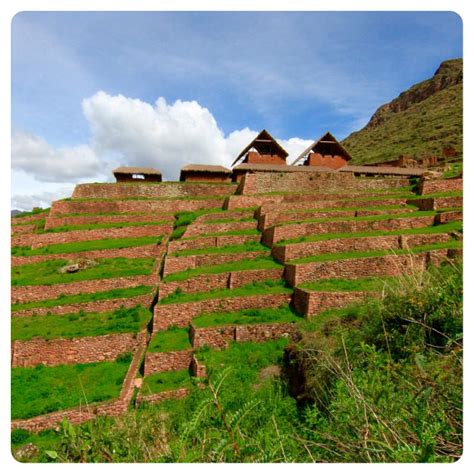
85, 85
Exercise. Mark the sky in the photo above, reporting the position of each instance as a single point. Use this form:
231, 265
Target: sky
94, 90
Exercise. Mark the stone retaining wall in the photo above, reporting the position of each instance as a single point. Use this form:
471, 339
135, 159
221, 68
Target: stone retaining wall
434, 204
166, 361
430, 186
222, 280
195, 230
27, 294
23, 229
54, 221
186, 262
292, 231
158, 190
387, 265
138, 205
80, 350
181, 314
268, 182
84, 413
310, 303
210, 242
241, 214
285, 253
161, 396
450, 216
219, 337
142, 251
29, 219
41, 240
102, 306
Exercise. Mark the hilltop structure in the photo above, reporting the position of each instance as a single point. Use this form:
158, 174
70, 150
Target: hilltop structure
125, 174
205, 173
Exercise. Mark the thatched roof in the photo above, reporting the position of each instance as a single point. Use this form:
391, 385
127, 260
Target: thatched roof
326, 145
206, 168
265, 144
282, 168
387, 170
136, 170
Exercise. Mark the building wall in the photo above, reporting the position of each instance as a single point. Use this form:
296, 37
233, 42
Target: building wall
201, 176
253, 157
331, 161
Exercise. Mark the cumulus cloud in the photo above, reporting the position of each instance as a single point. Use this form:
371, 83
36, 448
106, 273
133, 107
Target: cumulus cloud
26, 202
166, 136
36, 156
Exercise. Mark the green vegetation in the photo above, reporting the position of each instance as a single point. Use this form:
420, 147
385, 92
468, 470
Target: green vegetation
421, 127
163, 381
359, 284
85, 246
452, 244
283, 314
80, 324
255, 288
85, 298
258, 263
437, 229
173, 339
105, 225
47, 272
38, 390
34, 212
185, 218
454, 170
250, 246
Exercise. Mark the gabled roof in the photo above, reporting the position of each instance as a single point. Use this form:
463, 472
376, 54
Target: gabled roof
206, 168
326, 140
263, 142
136, 170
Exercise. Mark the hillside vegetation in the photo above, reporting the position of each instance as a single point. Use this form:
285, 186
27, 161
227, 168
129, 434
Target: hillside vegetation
422, 120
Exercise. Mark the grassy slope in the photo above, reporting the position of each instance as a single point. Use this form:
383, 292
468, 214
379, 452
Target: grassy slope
424, 127
173, 339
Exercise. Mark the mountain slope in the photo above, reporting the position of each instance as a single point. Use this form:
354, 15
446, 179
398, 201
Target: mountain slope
422, 120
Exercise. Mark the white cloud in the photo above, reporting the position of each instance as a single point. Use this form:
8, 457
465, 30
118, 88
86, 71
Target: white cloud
36, 156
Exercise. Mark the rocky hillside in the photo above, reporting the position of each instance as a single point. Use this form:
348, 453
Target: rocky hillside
422, 120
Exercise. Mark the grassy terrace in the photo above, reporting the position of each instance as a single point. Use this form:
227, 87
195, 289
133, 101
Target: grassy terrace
229, 220
438, 229
284, 314
36, 211
246, 247
247, 359
163, 381
177, 198
85, 298
402, 190
257, 288
85, 246
185, 218
380, 217
39, 390
453, 244
47, 273
349, 208
360, 284
173, 339
233, 232
80, 324
258, 263
107, 225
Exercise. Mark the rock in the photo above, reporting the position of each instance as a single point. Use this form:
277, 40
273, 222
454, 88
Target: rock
26, 452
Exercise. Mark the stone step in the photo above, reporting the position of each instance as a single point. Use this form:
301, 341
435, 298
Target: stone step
435, 204
275, 234
285, 253
203, 228
211, 242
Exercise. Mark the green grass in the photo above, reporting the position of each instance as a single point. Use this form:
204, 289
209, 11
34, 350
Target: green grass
255, 288
86, 246
47, 273
85, 298
359, 284
438, 229
163, 381
173, 339
106, 225
80, 324
258, 263
453, 244
283, 314
246, 247
39, 390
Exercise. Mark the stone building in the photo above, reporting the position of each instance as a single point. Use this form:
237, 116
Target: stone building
205, 173
135, 174
326, 151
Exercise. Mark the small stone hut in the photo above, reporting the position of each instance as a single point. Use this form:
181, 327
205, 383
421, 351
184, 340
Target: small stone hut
205, 173
130, 174
326, 151
263, 149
